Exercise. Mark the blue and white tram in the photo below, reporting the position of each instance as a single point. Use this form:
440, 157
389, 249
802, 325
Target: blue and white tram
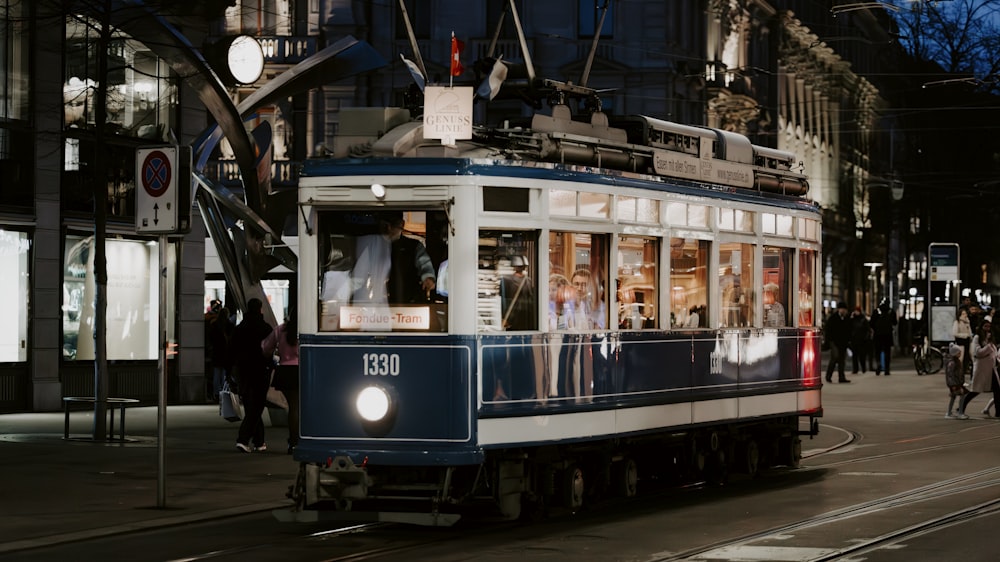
608, 303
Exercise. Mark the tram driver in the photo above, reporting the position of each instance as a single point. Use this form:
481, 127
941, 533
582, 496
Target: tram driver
411, 275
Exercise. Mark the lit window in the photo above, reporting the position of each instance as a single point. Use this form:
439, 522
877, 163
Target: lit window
638, 293
736, 293
689, 282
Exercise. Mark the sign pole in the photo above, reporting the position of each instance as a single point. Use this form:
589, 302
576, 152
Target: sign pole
162, 207
161, 408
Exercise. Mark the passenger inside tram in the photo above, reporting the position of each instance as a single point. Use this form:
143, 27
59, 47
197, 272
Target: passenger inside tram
517, 297
774, 311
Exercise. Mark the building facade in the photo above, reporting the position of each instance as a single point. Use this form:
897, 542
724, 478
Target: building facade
764, 69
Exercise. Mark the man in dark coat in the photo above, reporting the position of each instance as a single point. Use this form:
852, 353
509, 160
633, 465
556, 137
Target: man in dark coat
838, 335
883, 322
252, 372
861, 340
412, 276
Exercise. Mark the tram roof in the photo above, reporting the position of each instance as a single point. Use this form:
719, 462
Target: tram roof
340, 167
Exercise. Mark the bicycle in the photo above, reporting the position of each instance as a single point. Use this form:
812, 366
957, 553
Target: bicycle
926, 358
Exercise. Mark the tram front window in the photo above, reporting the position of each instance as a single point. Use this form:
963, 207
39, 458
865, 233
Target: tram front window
383, 271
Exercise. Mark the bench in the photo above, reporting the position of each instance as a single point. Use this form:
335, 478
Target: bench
112, 403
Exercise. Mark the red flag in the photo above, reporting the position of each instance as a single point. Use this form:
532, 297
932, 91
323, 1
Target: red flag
456, 50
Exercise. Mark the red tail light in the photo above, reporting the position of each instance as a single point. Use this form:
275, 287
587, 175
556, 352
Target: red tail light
809, 356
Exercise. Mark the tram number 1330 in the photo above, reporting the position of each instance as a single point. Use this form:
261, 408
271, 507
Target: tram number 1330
381, 364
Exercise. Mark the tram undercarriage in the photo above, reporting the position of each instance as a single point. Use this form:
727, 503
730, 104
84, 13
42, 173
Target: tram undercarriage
531, 482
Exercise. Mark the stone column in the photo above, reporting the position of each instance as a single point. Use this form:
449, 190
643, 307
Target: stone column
47, 275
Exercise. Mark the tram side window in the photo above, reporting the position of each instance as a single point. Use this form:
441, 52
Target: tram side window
689, 282
638, 294
506, 283
736, 292
383, 270
777, 285
578, 273
807, 265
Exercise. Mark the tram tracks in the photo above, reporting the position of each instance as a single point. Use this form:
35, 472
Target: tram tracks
370, 543
961, 516
855, 437
962, 484
951, 487
940, 490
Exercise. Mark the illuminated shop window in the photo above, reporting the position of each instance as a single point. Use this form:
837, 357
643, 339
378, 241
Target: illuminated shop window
133, 298
14, 262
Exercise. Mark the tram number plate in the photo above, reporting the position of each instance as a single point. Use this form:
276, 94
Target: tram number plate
381, 364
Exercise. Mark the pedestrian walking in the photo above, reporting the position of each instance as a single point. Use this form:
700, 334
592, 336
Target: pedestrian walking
284, 342
961, 330
253, 371
861, 338
883, 322
954, 377
838, 336
984, 359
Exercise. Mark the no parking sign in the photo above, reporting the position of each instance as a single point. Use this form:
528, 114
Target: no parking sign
162, 182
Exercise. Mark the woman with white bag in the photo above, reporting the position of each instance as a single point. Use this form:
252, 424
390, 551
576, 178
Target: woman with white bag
984, 366
284, 342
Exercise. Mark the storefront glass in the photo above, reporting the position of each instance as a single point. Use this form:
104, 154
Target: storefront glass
14, 248
133, 298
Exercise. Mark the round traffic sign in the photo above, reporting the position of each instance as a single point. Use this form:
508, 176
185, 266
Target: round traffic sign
156, 173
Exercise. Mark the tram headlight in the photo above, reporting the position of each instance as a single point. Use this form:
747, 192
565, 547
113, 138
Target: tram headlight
378, 190
373, 404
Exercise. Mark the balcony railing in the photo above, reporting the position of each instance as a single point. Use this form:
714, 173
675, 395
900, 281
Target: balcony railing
287, 50
284, 173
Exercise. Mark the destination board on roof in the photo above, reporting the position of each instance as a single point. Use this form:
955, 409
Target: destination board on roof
447, 113
688, 166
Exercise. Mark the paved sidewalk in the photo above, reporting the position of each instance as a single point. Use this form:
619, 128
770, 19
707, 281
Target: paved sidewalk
60, 491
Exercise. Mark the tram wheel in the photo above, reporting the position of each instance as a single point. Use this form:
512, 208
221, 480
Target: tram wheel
573, 487
790, 451
625, 476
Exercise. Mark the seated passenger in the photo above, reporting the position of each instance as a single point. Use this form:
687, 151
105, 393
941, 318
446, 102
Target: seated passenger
774, 311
